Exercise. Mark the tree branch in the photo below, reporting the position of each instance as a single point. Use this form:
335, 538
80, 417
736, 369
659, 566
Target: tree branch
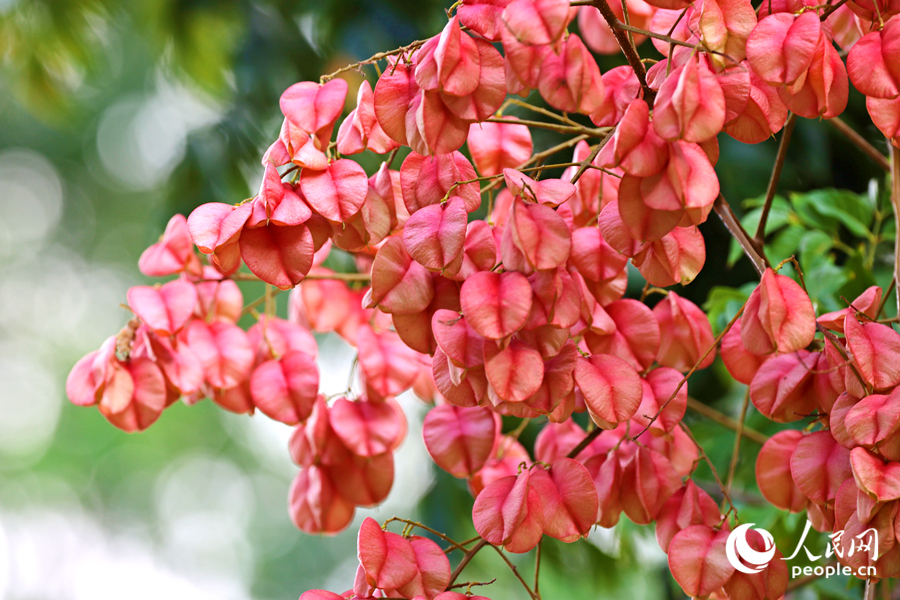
776, 175
627, 49
468, 556
754, 253
590, 437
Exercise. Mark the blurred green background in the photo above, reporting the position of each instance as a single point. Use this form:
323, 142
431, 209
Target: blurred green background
115, 114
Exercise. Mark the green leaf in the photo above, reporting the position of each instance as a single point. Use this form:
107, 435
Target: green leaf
814, 247
850, 209
724, 302
779, 216
828, 208
806, 208
785, 244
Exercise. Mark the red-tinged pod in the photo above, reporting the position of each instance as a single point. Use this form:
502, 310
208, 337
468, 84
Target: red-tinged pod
686, 336
315, 506
778, 316
611, 387
698, 561
537, 22
399, 284
688, 506
819, 465
569, 499
496, 305
459, 440
773, 472
509, 512
388, 559
498, 146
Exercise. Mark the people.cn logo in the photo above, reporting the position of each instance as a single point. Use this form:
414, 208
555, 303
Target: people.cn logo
740, 554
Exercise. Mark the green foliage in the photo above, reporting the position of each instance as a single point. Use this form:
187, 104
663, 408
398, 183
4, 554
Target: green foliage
840, 238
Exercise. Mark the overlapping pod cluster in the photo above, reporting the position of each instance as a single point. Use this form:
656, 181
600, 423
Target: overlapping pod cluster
844, 475
523, 314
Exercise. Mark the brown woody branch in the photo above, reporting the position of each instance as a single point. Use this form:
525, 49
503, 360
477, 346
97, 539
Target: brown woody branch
776, 175
754, 251
628, 50
860, 142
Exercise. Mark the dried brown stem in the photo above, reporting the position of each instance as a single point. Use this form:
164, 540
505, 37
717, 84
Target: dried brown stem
776, 175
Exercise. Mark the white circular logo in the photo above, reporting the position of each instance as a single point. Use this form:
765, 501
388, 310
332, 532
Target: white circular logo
737, 548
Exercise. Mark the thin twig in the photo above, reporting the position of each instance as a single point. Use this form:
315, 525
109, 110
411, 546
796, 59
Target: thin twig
372, 59
537, 571
468, 556
537, 109
590, 437
515, 571
754, 252
692, 371
776, 175
725, 421
670, 40
540, 156
737, 441
311, 276
831, 9
861, 143
712, 468
446, 538
586, 163
580, 129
